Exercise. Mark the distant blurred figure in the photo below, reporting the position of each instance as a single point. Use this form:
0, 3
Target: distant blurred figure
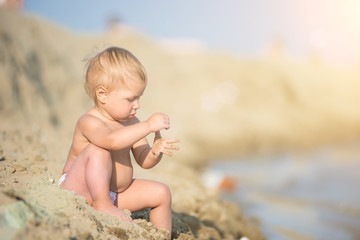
113, 25
275, 49
12, 4
219, 181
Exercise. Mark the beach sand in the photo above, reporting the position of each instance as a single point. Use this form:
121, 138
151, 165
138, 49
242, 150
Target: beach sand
219, 106
34, 207
41, 98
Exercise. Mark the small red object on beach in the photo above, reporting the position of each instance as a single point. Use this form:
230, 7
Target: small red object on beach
227, 184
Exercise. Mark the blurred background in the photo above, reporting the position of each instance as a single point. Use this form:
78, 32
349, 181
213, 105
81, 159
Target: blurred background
266, 92
301, 29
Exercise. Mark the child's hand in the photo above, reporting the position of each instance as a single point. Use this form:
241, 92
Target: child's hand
162, 144
158, 121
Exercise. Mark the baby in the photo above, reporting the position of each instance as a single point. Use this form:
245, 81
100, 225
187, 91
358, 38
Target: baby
98, 166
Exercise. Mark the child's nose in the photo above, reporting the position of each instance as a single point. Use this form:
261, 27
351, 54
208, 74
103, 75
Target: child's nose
136, 104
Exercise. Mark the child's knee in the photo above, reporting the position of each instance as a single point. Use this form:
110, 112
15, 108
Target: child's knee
164, 193
99, 155
98, 152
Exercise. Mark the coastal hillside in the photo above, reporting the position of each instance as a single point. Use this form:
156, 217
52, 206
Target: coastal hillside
219, 104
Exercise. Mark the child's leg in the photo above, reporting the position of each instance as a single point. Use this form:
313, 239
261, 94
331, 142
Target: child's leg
89, 176
148, 194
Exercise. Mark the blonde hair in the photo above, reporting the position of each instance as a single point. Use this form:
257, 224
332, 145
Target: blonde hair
112, 68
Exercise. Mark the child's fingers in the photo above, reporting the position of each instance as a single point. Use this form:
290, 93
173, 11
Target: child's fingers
172, 140
167, 153
172, 147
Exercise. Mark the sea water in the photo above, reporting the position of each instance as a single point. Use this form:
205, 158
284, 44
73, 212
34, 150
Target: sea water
299, 196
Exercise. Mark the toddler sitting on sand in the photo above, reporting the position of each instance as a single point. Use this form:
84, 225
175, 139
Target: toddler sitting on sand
98, 166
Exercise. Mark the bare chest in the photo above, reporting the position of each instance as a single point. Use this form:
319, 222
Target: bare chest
121, 156
122, 174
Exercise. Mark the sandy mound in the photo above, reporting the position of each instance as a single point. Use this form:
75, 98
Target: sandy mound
41, 97
33, 207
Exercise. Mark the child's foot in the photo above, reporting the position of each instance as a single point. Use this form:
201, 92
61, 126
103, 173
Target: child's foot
115, 211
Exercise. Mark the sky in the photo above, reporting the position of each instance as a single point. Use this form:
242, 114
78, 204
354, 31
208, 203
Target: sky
329, 28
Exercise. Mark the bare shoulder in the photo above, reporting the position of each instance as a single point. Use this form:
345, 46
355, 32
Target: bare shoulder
80, 138
89, 119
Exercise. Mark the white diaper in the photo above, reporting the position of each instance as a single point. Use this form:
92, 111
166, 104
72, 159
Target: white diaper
113, 195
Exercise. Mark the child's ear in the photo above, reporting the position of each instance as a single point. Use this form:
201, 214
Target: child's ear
101, 94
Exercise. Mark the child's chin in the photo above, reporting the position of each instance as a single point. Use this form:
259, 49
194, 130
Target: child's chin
123, 119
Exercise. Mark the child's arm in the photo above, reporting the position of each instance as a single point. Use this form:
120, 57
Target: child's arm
148, 157
99, 134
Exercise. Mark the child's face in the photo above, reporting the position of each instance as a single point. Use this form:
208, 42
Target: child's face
122, 103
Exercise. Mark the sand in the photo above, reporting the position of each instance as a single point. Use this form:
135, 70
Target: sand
34, 207
219, 105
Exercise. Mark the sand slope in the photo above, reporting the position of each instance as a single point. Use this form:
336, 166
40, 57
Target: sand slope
41, 97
